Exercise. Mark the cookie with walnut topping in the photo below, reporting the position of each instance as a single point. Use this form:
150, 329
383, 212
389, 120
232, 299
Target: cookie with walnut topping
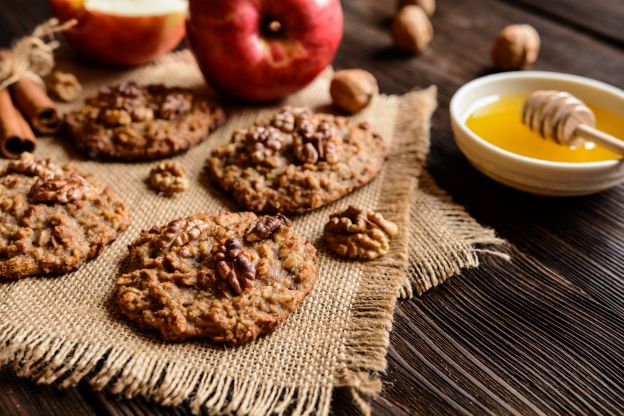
132, 122
53, 218
228, 277
296, 161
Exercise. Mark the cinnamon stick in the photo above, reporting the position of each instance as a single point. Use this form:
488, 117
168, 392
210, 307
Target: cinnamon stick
16, 136
37, 107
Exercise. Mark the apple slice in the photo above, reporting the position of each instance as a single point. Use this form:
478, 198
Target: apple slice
123, 32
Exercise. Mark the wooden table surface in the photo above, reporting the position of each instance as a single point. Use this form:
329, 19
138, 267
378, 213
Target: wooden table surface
543, 334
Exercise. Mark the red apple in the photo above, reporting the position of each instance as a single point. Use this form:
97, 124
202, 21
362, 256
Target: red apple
263, 50
123, 32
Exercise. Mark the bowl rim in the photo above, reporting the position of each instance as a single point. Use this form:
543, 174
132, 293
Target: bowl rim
476, 83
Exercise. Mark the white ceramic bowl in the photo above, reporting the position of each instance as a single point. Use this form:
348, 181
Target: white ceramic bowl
528, 174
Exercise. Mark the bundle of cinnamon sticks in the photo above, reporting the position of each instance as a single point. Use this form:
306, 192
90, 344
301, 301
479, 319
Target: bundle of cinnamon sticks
24, 107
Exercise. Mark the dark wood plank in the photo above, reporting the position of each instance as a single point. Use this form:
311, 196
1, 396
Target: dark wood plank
107, 404
578, 240
542, 335
21, 397
600, 18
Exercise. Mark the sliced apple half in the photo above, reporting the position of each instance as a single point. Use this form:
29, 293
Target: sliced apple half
123, 32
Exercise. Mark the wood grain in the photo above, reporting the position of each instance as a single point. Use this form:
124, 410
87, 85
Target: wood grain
541, 335
600, 18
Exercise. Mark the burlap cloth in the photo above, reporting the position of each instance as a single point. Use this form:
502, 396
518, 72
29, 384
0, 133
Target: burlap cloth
65, 329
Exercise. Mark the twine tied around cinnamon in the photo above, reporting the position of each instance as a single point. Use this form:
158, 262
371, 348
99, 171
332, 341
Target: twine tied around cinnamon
23, 100
33, 55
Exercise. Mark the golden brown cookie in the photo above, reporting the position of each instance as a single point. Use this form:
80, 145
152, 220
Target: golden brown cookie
296, 161
53, 218
229, 277
132, 122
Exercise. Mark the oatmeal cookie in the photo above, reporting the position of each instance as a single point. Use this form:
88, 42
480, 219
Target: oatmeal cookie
229, 277
296, 161
53, 218
132, 122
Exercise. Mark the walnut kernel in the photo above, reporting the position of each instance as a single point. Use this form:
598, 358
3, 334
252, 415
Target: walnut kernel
411, 29
359, 234
175, 104
266, 226
429, 6
169, 178
262, 144
353, 89
64, 86
314, 143
28, 165
180, 232
61, 189
515, 47
233, 266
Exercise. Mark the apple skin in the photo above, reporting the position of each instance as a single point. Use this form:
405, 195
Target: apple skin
242, 59
120, 40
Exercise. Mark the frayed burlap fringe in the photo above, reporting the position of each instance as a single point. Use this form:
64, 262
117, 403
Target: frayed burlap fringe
444, 239
48, 360
372, 311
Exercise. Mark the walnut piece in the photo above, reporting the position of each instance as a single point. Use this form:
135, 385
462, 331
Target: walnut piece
168, 178
113, 117
262, 144
285, 119
353, 89
315, 143
266, 226
64, 86
181, 232
359, 234
233, 266
515, 47
28, 165
175, 104
61, 189
125, 95
428, 6
411, 30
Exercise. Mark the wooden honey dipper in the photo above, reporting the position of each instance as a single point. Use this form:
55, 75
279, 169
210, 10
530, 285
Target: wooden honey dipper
563, 118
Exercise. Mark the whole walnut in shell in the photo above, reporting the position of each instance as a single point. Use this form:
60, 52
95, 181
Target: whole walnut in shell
515, 47
411, 29
429, 6
353, 89
359, 234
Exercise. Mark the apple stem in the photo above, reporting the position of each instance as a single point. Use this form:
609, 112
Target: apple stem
275, 27
272, 27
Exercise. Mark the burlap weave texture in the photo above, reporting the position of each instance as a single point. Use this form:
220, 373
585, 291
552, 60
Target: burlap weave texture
63, 329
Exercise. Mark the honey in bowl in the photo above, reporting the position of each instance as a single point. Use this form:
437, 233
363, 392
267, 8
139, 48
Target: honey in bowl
497, 119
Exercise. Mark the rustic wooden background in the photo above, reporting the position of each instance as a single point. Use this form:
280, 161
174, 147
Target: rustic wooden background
543, 334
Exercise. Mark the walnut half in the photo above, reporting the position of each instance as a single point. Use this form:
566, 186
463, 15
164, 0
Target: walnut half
266, 226
315, 142
168, 178
28, 165
61, 189
64, 86
359, 234
233, 266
